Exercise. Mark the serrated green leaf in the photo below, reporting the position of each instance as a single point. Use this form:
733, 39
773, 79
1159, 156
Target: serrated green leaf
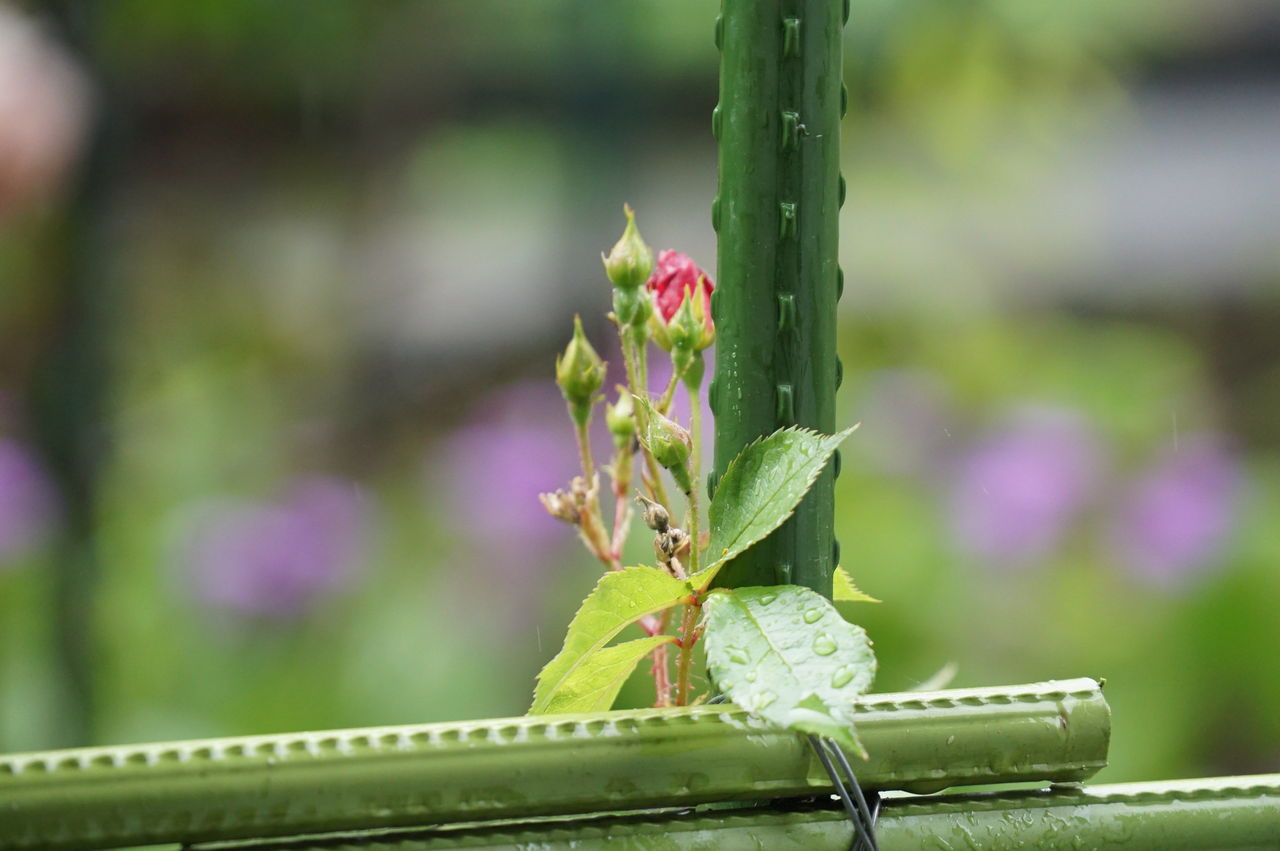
618, 599
594, 685
844, 591
760, 490
785, 654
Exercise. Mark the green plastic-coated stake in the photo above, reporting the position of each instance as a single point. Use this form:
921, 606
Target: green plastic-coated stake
1240, 813
780, 190
287, 785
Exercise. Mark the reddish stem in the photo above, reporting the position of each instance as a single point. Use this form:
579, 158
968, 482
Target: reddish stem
689, 635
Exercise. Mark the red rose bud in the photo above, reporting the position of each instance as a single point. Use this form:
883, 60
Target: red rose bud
629, 263
677, 274
580, 374
676, 283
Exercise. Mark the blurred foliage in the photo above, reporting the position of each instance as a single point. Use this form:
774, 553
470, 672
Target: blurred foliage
301, 185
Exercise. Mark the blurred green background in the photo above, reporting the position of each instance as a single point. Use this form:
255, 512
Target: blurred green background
276, 348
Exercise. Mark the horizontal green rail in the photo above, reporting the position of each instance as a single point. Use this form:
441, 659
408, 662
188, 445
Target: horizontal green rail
533, 766
1236, 813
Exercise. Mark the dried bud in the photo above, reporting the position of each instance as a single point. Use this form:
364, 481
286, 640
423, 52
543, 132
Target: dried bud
655, 516
560, 506
580, 374
621, 419
583, 493
670, 543
630, 262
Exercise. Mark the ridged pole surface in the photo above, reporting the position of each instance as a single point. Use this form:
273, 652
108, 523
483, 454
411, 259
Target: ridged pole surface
1237, 813
532, 766
775, 213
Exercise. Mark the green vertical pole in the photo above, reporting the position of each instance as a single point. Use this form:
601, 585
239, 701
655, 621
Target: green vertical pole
775, 213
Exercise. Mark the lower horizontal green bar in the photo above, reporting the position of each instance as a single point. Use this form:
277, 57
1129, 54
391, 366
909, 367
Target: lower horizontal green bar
1239, 813
512, 768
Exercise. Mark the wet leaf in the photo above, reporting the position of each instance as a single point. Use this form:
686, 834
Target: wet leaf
595, 683
618, 599
761, 489
785, 654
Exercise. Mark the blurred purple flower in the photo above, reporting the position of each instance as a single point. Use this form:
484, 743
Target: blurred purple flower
1014, 494
1176, 518
519, 444
28, 506
277, 559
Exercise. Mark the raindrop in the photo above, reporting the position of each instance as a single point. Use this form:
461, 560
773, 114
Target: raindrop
737, 655
824, 645
841, 677
812, 615
767, 599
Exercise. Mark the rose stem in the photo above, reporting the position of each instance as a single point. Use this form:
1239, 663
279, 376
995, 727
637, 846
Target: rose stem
664, 404
634, 357
695, 426
688, 623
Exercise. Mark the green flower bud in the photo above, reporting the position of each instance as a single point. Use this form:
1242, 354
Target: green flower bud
658, 331
668, 443
689, 328
630, 262
580, 374
621, 419
632, 309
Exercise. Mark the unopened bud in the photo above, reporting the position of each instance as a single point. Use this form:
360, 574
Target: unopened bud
630, 262
668, 443
676, 284
691, 328
632, 309
654, 515
580, 373
621, 419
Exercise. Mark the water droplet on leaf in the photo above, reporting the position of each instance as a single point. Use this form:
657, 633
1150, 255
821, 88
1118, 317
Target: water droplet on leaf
767, 599
824, 645
812, 615
841, 677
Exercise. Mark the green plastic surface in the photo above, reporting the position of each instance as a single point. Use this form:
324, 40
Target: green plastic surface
293, 784
778, 127
1240, 813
